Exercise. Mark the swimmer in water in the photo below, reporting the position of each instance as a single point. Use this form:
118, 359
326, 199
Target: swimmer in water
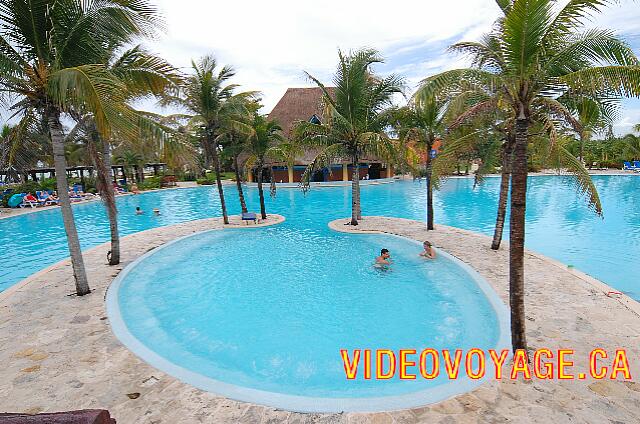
429, 252
384, 260
139, 211
156, 212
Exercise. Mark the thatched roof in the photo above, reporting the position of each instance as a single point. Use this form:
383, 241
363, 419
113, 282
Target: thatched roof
298, 104
301, 104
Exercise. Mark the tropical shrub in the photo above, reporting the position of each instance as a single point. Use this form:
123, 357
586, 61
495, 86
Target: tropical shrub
150, 183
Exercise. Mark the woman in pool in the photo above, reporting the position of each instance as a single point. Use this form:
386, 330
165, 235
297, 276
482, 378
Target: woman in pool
429, 252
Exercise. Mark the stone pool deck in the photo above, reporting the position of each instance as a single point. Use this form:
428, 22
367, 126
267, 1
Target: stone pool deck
58, 352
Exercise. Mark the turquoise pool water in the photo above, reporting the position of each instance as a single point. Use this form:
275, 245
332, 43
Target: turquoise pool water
558, 223
261, 315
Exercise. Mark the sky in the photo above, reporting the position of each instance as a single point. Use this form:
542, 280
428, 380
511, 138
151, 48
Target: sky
271, 44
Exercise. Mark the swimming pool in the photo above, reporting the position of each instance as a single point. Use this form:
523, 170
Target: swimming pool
261, 315
558, 223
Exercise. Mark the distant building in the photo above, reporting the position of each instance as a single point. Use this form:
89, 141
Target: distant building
306, 104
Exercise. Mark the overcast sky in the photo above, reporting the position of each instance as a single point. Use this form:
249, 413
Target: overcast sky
271, 43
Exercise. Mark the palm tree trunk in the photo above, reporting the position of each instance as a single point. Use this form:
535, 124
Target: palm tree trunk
263, 209
517, 235
60, 163
208, 155
216, 164
355, 193
504, 194
243, 204
107, 194
428, 175
358, 192
290, 172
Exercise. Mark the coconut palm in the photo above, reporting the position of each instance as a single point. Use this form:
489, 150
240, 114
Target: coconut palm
287, 152
354, 121
542, 57
233, 147
235, 134
209, 101
142, 74
22, 148
52, 61
131, 160
591, 115
423, 122
260, 146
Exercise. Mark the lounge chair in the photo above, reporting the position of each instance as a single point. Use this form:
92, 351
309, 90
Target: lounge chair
43, 198
626, 166
636, 165
28, 203
249, 216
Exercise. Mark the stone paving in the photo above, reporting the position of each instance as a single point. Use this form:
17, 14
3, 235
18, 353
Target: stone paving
58, 353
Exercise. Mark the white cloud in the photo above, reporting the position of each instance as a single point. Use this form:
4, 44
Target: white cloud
271, 43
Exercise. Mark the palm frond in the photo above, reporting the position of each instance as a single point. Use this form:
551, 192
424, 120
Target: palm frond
615, 80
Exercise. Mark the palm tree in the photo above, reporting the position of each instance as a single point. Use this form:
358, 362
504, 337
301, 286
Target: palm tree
287, 152
542, 57
142, 74
210, 101
591, 116
266, 135
131, 161
234, 148
236, 132
354, 119
423, 122
52, 60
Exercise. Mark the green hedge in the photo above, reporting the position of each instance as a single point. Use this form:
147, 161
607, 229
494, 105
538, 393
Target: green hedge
150, 183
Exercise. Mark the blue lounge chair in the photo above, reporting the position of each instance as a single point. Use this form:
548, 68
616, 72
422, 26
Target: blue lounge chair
636, 165
43, 198
249, 216
626, 166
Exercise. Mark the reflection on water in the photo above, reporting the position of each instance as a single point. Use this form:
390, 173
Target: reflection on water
558, 222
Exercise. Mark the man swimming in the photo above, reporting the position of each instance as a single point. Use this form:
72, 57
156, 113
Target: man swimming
384, 260
429, 252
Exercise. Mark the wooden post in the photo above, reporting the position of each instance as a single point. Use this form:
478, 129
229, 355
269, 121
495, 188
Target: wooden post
389, 171
345, 172
249, 175
290, 171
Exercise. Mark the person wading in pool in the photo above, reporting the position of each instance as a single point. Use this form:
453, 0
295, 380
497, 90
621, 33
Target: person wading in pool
384, 260
429, 252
